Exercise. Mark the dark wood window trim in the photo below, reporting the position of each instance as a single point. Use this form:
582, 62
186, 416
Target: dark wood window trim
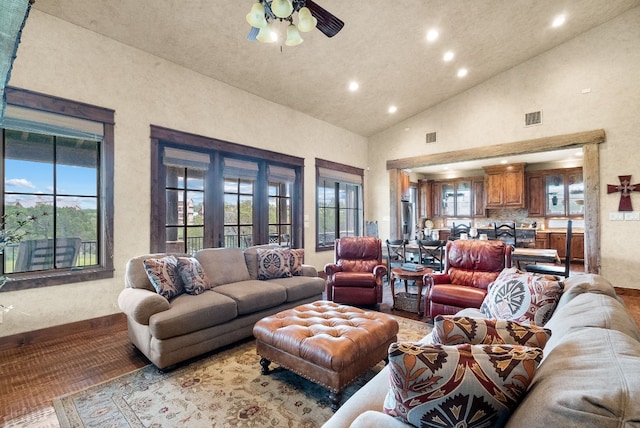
161, 137
104, 270
321, 163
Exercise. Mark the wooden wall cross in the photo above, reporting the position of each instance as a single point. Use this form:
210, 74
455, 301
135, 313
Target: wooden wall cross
625, 188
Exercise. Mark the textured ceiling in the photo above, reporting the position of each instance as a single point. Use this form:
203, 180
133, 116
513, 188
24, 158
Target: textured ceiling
382, 46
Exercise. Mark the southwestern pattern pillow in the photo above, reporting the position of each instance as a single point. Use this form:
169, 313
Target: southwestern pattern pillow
522, 296
163, 274
451, 330
273, 263
295, 261
192, 275
463, 385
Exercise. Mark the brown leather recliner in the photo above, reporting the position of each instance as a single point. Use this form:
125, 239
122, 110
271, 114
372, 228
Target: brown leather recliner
470, 266
355, 277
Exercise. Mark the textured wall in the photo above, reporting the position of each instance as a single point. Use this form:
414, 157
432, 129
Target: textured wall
606, 60
64, 60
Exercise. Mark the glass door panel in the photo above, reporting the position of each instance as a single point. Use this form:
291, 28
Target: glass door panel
554, 191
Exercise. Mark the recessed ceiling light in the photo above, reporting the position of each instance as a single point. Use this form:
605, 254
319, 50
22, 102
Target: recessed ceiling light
448, 56
463, 72
578, 153
504, 161
353, 86
393, 109
432, 35
558, 21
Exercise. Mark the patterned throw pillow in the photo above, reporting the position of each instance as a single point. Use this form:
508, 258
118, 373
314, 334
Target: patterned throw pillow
192, 275
295, 261
522, 296
451, 330
463, 385
273, 263
163, 274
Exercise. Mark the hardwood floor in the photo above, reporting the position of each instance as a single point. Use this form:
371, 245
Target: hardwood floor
32, 375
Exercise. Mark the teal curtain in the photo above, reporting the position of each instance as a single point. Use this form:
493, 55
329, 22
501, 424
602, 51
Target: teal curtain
13, 15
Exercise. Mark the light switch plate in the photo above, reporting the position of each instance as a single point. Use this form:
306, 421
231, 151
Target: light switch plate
633, 215
616, 216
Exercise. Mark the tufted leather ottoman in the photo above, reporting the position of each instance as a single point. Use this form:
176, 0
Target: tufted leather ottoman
325, 342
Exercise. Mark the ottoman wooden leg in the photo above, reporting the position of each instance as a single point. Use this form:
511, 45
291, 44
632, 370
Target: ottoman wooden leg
335, 398
265, 365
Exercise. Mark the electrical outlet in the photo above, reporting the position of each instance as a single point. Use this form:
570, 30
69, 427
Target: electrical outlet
633, 216
616, 216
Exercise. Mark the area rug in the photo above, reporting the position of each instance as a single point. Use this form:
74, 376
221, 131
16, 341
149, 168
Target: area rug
225, 389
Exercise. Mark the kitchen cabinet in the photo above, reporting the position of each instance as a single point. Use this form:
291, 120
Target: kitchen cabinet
479, 209
535, 195
505, 186
558, 241
564, 192
542, 240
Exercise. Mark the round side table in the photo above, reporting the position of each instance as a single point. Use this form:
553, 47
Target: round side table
408, 275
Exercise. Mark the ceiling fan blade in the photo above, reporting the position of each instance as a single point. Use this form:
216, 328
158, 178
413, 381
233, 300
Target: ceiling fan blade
327, 22
253, 33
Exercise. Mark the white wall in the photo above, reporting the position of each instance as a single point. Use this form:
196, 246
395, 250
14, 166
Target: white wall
60, 59
606, 60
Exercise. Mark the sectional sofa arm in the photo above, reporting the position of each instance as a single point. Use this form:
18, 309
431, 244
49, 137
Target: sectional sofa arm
309, 270
140, 304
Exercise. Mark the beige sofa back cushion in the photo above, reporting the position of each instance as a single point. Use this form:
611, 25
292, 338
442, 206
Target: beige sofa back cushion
223, 265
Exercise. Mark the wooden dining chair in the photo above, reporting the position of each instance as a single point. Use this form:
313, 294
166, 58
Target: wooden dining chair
456, 231
396, 254
506, 232
563, 271
432, 254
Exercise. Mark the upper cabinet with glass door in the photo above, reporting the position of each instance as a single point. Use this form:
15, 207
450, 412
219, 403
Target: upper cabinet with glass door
564, 193
456, 198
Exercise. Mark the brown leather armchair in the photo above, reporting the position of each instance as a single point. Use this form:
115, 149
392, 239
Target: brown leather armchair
470, 266
355, 277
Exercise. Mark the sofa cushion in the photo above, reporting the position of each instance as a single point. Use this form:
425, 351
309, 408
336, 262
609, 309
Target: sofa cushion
296, 260
300, 287
590, 379
522, 296
590, 310
189, 313
253, 296
163, 274
223, 265
192, 275
585, 283
463, 385
273, 263
455, 330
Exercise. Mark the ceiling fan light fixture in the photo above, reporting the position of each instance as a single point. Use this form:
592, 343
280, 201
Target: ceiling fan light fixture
282, 8
293, 36
266, 34
256, 17
306, 21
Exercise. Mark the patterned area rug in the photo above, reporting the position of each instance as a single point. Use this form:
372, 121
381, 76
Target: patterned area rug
224, 389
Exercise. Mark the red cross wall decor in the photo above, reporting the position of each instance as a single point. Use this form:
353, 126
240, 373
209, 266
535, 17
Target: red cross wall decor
625, 188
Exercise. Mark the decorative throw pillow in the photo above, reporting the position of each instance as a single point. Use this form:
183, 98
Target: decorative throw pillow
463, 385
451, 330
163, 274
192, 275
295, 261
273, 263
522, 296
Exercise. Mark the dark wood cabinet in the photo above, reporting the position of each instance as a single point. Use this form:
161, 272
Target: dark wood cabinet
505, 186
477, 186
558, 241
535, 195
542, 240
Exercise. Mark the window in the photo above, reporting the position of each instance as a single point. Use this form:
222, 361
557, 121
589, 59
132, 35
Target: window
564, 193
57, 166
252, 196
456, 198
339, 203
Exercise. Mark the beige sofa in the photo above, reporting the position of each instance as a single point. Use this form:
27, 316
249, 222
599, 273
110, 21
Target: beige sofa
589, 376
169, 332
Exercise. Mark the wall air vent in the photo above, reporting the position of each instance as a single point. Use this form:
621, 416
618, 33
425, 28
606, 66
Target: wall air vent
533, 118
431, 137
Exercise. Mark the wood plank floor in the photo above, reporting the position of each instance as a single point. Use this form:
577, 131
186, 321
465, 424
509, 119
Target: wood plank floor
32, 375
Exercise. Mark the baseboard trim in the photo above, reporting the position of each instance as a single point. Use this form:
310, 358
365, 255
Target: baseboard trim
633, 292
60, 331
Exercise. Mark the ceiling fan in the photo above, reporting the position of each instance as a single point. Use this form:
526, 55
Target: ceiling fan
310, 15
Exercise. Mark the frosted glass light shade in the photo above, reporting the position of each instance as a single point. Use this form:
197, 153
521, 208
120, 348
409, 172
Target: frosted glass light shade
306, 21
255, 17
266, 35
293, 37
282, 8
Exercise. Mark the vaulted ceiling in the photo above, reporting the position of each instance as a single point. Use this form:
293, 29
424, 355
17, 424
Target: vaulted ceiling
383, 46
